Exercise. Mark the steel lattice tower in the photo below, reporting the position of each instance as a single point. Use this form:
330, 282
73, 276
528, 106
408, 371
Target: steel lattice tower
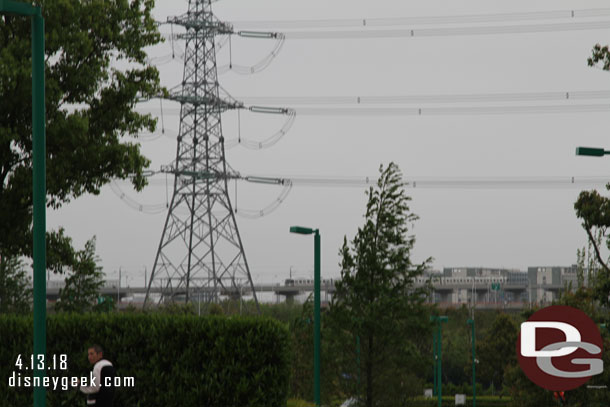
200, 252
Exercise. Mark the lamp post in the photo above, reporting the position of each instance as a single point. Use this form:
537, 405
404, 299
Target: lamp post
474, 372
39, 183
591, 151
316, 305
438, 355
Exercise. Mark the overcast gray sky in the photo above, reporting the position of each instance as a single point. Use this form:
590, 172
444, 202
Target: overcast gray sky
482, 226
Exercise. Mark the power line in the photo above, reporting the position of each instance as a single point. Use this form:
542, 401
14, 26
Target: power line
432, 99
440, 182
426, 20
423, 99
557, 182
448, 32
443, 111
455, 111
429, 33
445, 183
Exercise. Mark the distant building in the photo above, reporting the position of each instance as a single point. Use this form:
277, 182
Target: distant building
546, 283
500, 287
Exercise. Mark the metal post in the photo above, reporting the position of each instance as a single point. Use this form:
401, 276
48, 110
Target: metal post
39, 200
438, 356
316, 312
316, 345
434, 388
474, 371
440, 361
358, 361
474, 297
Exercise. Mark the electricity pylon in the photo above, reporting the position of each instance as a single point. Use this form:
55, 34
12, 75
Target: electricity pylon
200, 255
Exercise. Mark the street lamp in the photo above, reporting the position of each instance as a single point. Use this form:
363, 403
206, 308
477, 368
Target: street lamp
474, 382
591, 151
316, 305
39, 182
438, 355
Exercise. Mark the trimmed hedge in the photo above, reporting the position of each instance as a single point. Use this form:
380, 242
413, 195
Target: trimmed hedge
174, 360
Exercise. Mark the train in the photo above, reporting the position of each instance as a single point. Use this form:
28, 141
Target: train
290, 282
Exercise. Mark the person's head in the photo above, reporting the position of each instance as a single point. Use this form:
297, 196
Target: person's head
95, 353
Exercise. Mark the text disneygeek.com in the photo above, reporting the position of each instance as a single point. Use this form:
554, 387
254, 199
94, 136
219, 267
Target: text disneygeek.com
67, 382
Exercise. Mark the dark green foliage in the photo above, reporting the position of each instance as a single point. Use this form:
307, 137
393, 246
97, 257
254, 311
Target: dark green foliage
301, 333
15, 291
299, 318
378, 324
105, 304
523, 391
600, 55
457, 348
90, 103
457, 360
176, 360
497, 350
175, 309
284, 311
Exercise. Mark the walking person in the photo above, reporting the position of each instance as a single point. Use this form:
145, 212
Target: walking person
100, 392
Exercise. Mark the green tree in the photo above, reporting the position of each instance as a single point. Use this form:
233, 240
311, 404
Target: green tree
83, 283
377, 305
497, 350
594, 210
96, 71
15, 286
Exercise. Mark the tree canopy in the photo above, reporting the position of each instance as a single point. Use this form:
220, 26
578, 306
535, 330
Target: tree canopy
96, 71
594, 209
377, 314
15, 286
497, 351
83, 282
